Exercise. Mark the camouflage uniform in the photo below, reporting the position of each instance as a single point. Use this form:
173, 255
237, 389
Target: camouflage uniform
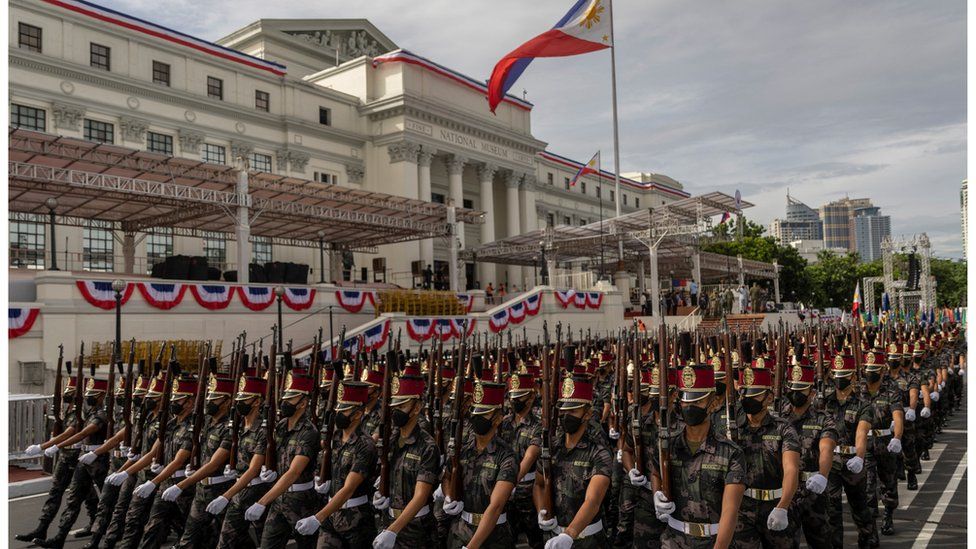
698, 483
905, 382
130, 513
811, 509
881, 464
110, 493
480, 472
763, 447
235, 531
86, 477
925, 427
371, 422
720, 417
202, 528
290, 507
412, 459
572, 470
846, 418
647, 529
351, 526
65, 463
520, 509
179, 436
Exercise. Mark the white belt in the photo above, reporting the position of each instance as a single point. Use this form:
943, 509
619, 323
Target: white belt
475, 518
695, 529
594, 528
528, 476
301, 487
91, 447
763, 494
395, 513
880, 432
255, 481
845, 450
210, 481
355, 502
179, 473
74, 446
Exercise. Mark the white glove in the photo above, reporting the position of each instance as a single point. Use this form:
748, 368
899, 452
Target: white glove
380, 502
171, 493
546, 525
384, 540
662, 507
118, 478
132, 456
637, 478
452, 507
910, 414
962, 371
942, 386
778, 519
562, 541
145, 489
268, 475
155, 468
614, 435
324, 487
51, 451
217, 506
307, 526
925, 412
88, 458
894, 446
376, 484
254, 512
620, 456
817, 483
34, 450
855, 465
934, 395
439, 493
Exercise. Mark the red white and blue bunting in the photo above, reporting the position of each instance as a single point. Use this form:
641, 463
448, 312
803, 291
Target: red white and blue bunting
212, 296
565, 297
162, 295
256, 298
580, 300
354, 300
459, 325
100, 293
420, 329
374, 338
594, 299
533, 304
498, 321
299, 299
467, 301
516, 312
20, 321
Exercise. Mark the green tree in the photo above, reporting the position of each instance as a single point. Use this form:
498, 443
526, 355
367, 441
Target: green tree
793, 278
833, 278
950, 279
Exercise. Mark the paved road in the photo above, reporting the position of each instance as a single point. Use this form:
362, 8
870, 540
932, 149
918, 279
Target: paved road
935, 515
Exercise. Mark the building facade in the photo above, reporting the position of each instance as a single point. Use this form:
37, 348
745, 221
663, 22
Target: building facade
870, 229
802, 223
332, 101
838, 222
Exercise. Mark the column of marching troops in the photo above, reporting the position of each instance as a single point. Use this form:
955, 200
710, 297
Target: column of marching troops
561, 444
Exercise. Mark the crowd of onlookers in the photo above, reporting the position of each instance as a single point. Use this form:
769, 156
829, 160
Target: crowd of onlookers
713, 301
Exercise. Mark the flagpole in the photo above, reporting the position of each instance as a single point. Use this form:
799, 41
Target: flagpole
616, 138
599, 178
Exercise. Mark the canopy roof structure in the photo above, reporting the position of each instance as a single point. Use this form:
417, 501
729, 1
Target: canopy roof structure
139, 190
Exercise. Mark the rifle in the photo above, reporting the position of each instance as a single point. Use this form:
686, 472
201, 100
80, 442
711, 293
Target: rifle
383, 444
237, 367
730, 393
438, 402
635, 415
127, 393
203, 374
164, 404
110, 391
271, 404
664, 414
779, 356
315, 372
80, 386
454, 487
58, 399
325, 469
550, 364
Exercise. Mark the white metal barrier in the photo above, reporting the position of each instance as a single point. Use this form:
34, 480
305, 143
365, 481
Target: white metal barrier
27, 423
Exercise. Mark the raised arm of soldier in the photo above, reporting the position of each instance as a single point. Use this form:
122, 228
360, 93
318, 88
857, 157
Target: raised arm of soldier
217, 409
181, 409
257, 460
105, 447
298, 463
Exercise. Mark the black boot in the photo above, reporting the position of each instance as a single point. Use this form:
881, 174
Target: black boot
39, 532
901, 474
57, 542
912, 481
93, 543
887, 526
84, 532
925, 455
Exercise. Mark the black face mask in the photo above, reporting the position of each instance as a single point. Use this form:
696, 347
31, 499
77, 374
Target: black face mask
874, 377
212, 408
399, 417
480, 424
287, 409
720, 387
519, 405
243, 408
752, 406
796, 398
342, 421
694, 415
120, 401
571, 424
843, 383
176, 408
91, 401
150, 403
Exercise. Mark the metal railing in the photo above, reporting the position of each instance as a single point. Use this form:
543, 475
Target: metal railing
22, 258
27, 424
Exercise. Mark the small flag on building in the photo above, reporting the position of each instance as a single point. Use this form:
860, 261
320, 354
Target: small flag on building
593, 166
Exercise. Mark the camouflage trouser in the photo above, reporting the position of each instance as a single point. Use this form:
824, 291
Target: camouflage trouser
611, 502
647, 529
353, 528
522, 515
882, 468
909, 447
416, 533
926, 432
283, 514
811, 510
235, 532
106, 502
443, 521
855, 486
85, 483
129, 513
461, 532
165, 515
203, 529
751, 530
673, 539
64, 468
623, 535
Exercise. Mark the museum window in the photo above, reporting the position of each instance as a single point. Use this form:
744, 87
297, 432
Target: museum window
215, 249
468, 203
583, 187
612, 198
260, 162
100, 56
262, 100
598, 195
159, 246
566, 220
550, 220
215, 88
437, 198
625, 198
99, 132
327, 178
566, 183
29, 37
325, 116
214, 154
27, 243
98, 247
261, 249
160, 73
28, 118
549, 178
637, 202
159, 143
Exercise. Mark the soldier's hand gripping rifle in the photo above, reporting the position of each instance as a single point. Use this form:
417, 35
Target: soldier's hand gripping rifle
664, 414
635, 414
730, 394
271, 408
203, 382
383, 444
325, 468
316, 372
58, 400
550, 366
454, 487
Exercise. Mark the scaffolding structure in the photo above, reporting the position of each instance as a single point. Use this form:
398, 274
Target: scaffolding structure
902, 298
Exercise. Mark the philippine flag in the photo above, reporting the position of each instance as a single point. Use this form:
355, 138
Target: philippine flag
584, 28
593, 166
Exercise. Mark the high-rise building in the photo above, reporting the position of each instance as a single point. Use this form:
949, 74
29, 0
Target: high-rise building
964, 206
838, 222
870, 228
802, 223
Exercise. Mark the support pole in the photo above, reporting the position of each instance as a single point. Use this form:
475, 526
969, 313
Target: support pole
243, 228
742, 274
453, 227
776, 282
616, 132
655, 285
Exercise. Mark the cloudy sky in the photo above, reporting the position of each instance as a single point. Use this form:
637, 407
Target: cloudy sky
827, 98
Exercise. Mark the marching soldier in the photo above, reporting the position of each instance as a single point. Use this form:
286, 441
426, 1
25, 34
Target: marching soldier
414, 467
907, 395
373, 378
882, 461
706, 472
854, 418
522, 430
923, 425
86, 477
488, 474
